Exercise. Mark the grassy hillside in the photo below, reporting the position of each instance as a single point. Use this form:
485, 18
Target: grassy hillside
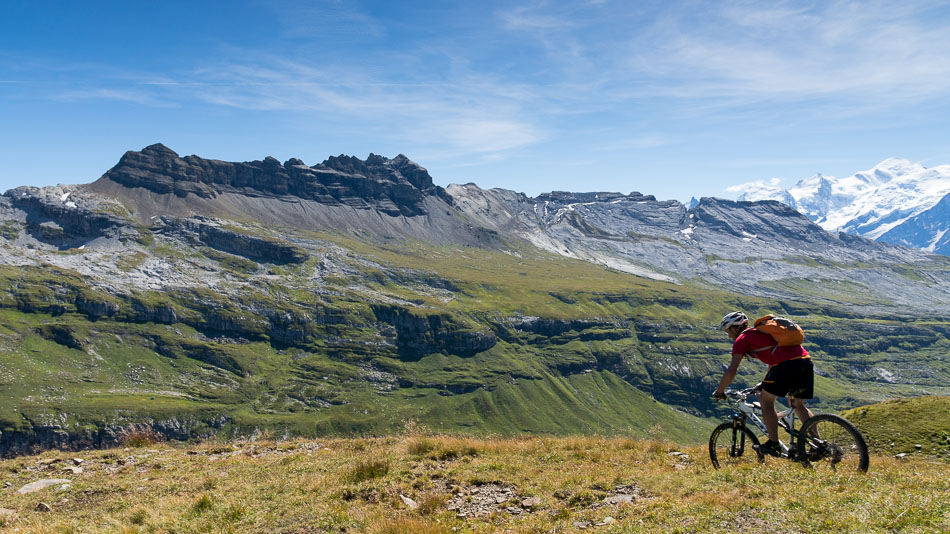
365, 336
918, 426
437, 484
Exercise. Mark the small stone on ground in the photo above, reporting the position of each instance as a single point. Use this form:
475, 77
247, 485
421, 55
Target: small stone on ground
411, 504
43, 484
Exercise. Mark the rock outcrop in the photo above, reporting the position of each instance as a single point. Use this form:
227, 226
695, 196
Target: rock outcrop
204, 231
18, 442
420, 334
395, 186
60, 217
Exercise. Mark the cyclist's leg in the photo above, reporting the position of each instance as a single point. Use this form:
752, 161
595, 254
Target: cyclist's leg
769, 416
804, 413
801, 410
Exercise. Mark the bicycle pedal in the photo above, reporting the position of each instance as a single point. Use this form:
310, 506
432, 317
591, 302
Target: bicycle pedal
775, 450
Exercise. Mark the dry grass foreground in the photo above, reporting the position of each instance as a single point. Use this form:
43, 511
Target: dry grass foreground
429, 484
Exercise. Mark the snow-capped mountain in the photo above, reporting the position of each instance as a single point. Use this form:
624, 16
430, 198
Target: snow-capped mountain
896, 201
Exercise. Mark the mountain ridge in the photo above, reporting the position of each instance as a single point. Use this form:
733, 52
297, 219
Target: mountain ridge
395, 186
740, 246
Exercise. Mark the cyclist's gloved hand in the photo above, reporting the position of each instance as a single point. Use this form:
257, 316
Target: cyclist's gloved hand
719, 396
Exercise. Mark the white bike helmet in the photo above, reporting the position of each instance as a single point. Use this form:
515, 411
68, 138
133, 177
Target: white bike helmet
736, 318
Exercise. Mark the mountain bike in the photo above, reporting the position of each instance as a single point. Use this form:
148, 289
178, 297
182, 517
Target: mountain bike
823, 440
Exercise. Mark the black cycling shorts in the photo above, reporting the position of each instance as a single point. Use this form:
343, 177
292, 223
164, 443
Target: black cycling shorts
794, 378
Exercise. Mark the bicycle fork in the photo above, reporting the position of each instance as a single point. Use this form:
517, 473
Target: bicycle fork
738, 436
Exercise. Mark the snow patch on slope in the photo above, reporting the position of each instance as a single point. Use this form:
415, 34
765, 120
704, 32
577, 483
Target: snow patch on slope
933, 244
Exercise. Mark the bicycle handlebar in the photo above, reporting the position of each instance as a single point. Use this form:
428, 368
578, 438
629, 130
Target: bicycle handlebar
742, 393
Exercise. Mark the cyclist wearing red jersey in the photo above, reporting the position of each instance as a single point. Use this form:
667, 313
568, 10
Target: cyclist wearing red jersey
790, 373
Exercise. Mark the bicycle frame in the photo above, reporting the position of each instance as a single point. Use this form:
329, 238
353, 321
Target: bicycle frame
750, 411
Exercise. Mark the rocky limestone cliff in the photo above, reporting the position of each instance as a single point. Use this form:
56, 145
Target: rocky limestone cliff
208, 232
38, 438
60, 217
392, 186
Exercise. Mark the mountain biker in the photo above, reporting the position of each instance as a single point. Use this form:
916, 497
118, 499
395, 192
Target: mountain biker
790, 373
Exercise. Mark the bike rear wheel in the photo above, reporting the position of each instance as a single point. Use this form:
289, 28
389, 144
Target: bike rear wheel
830, 441
733, 445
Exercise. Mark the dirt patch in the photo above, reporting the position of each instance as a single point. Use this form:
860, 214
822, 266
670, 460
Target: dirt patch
487, 499
621, 494
257, 451
599, 496
755, 521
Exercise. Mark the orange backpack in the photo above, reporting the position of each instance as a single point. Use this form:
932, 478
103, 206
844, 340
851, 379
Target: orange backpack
785, 331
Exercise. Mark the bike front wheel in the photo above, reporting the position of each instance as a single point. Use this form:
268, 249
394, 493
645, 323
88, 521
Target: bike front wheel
733, 445
831, 441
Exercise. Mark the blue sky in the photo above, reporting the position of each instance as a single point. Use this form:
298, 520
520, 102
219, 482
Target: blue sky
675, 99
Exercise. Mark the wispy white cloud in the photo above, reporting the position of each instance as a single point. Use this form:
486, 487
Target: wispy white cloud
639, 142
487, 135
343, 20
887, 52
475, 114
772, 183
566, 33
854, 56
116, 95
534, 17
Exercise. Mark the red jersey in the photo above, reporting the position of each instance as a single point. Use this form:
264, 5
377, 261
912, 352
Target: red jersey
762, 346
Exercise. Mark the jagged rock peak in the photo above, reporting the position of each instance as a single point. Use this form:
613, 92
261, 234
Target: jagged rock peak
158, 150
774, 206
566, 197
394, 186
394, 169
